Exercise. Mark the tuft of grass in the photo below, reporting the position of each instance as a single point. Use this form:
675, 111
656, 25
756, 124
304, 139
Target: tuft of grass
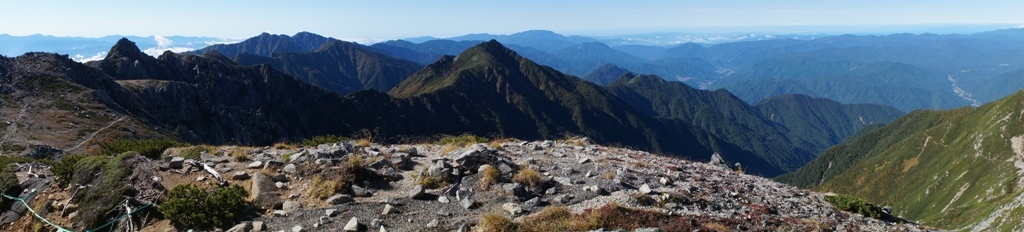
240, 154
489, 177
495, 222
447, 149
363, 142
528, 177
462, 140
712, 226
856, 205
552, 218
193, 152
321, 188
323, 139
429, 182
285, 146
355, 162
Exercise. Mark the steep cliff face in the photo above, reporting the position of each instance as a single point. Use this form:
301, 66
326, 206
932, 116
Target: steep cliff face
208, 98
51, 105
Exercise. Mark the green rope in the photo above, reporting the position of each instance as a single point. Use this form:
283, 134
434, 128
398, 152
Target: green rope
119, 218
62, 229
59, 229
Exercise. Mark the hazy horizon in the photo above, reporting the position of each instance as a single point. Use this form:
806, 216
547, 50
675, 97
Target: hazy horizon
377, 21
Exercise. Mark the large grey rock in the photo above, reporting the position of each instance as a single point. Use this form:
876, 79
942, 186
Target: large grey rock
476, 155
338, 199
290, 168
291, 206
297, 228
432, 223
331, 151
388, 209
645, 189
717, 160
241, 227
331, 212
263, 192
240, 175
176, 162
273, 164
380, 164
256, 164
512, 208
280, 178
257, 226
299, 158
515, 189
352, 225
400, 160
467, 202
416, 192
360, 191
439, 169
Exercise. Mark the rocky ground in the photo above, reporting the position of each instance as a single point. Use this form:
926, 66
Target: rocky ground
429, 187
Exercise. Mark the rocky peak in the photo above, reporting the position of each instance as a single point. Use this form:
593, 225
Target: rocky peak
125, 48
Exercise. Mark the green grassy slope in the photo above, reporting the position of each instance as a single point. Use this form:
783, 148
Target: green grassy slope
958, 169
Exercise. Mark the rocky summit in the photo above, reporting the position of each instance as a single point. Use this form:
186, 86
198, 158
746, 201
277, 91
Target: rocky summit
350, 185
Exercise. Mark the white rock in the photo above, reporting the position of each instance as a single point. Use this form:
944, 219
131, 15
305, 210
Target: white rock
645, 189
352, 225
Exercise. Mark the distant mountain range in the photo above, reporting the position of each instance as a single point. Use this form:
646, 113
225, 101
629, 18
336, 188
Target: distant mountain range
487, 89
903, 70
88, 48
906, 71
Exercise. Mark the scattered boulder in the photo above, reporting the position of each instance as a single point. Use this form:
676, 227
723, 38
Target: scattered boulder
352, 225
467, 202
416, 192
360, 191
717, 160
338, 199
645, 189
515, 189
331, 212
388, 209
176, 162
432, 223
241, 227
263, 192
240, 175
297, 228
512, 208
273, 164
256, 164
290, 168
280, 213
291, 206
257, 226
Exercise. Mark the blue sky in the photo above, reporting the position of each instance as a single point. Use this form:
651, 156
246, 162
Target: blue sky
384, 19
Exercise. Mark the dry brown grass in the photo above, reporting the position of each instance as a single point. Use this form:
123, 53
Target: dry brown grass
528, 177
240, 154
363, 142
321, 188
430, 182
285, 146
447, 149
489, 177
495, 222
